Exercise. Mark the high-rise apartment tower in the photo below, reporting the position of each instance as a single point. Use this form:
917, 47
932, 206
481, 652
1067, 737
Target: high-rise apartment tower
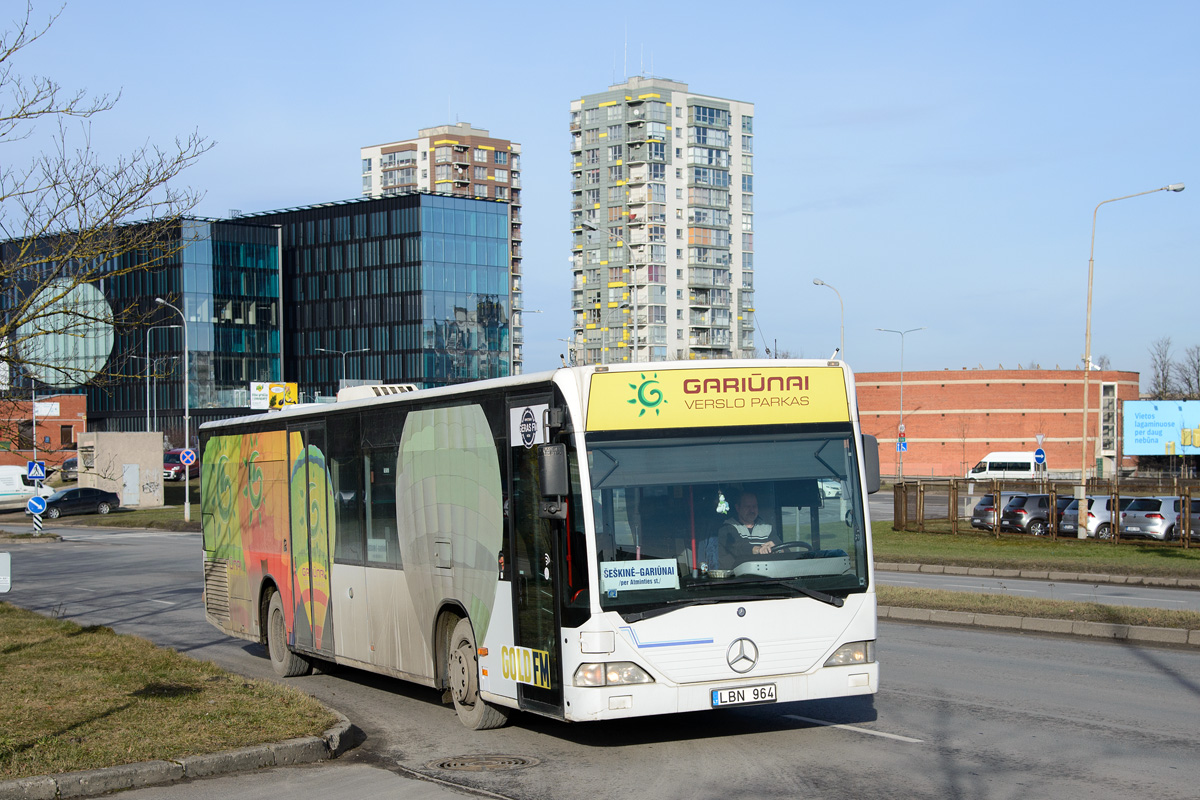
662, 215
462, 161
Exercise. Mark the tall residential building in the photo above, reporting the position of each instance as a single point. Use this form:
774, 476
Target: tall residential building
662, 213
465, 162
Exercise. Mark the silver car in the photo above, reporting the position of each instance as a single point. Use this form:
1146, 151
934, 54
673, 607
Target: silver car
1152, 518
1099, 516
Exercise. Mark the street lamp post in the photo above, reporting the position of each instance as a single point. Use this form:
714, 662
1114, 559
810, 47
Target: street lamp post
842, 341
187, 414
901, 428
343, 353
151, 330
1087, 342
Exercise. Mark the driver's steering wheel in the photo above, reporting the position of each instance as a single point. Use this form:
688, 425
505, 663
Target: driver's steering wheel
787, 546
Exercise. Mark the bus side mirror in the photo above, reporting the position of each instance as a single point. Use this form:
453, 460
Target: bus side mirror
554, 479
870, 446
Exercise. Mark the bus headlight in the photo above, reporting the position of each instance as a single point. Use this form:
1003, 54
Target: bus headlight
852, 653
613, 673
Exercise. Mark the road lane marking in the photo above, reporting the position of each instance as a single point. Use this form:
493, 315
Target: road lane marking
854, 728
163, 602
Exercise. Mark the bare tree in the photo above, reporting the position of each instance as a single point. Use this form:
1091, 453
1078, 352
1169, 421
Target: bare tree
1103, 362
1187, 373
67, 217
1162, 369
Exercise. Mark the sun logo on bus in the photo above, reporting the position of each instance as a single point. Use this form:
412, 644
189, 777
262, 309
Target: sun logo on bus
647, 394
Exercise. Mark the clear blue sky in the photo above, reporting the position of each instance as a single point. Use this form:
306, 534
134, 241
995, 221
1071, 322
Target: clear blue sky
937, 162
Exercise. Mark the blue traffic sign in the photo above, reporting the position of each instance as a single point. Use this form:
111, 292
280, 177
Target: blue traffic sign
36, 505
901, 447
188, 457
35, 470
1039, 456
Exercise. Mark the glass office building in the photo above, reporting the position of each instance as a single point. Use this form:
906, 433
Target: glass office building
224, 276
401, 289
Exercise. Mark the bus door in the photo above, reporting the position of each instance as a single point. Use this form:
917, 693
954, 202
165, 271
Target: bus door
310, 502
533, 543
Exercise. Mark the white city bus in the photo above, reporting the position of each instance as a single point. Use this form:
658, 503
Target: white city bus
562, 543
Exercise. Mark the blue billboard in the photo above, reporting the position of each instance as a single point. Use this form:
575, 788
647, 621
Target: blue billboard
1161, 428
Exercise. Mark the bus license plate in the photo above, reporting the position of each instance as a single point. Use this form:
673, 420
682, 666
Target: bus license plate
744, 695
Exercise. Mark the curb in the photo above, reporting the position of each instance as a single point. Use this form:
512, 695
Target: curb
87, 783
1042, 575
1140, 634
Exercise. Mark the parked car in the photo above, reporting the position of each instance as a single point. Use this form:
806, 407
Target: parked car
1060, 505
173, 466
69, 471
1153, 518
1099, 517
983, 516
1027, 514
80, 500
15, 486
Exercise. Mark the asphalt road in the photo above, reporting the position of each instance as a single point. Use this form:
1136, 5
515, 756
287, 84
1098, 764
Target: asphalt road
961, 713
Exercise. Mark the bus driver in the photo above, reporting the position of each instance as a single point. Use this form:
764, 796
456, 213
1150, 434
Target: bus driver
747, 534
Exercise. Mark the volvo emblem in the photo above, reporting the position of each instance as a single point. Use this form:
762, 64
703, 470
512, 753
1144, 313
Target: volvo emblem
742, 655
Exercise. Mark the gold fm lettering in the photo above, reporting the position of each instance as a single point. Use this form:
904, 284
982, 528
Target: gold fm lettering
523, 665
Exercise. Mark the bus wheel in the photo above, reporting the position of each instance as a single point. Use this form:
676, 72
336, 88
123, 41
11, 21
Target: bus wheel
285, 663
463, 662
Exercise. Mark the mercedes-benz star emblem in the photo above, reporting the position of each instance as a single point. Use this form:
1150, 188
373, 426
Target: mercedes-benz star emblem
742, 655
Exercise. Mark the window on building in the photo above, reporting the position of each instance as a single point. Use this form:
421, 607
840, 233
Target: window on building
481, 190
367, 182
66, 437
748, 242
501, 192
656, 273
747, 144
366, 165
591, 156
616, 152
616, 173
480, 155
501, 157
657, 151
481, 173
442, 155
747, 202
747, 124
615, 133
747, 183
658, 172
501, 175
591, 176
747, 163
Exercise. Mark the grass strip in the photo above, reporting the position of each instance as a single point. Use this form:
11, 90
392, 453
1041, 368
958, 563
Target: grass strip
82, 698
974, 603
979, 549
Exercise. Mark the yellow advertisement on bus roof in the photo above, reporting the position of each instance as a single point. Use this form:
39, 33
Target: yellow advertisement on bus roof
686, 398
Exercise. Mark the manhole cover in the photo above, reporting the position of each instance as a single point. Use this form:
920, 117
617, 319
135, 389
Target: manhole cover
483, 763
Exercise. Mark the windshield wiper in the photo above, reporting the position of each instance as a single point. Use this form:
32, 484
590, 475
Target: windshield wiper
675, 605
824, 597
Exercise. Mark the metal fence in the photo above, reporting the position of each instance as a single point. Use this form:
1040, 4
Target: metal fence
945, 505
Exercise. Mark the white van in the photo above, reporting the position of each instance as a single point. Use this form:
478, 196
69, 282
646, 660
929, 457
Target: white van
1005, 466
14, 486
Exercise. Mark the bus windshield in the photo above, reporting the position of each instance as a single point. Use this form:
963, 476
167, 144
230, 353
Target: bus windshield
687, 519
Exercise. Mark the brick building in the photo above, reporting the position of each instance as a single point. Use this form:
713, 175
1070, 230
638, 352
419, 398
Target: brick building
954, 418
60, 420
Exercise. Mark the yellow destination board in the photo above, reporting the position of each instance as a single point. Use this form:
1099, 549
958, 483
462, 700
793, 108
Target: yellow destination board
686, 398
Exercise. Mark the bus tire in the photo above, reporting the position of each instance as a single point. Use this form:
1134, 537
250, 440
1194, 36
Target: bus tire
285, 663
463, 672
